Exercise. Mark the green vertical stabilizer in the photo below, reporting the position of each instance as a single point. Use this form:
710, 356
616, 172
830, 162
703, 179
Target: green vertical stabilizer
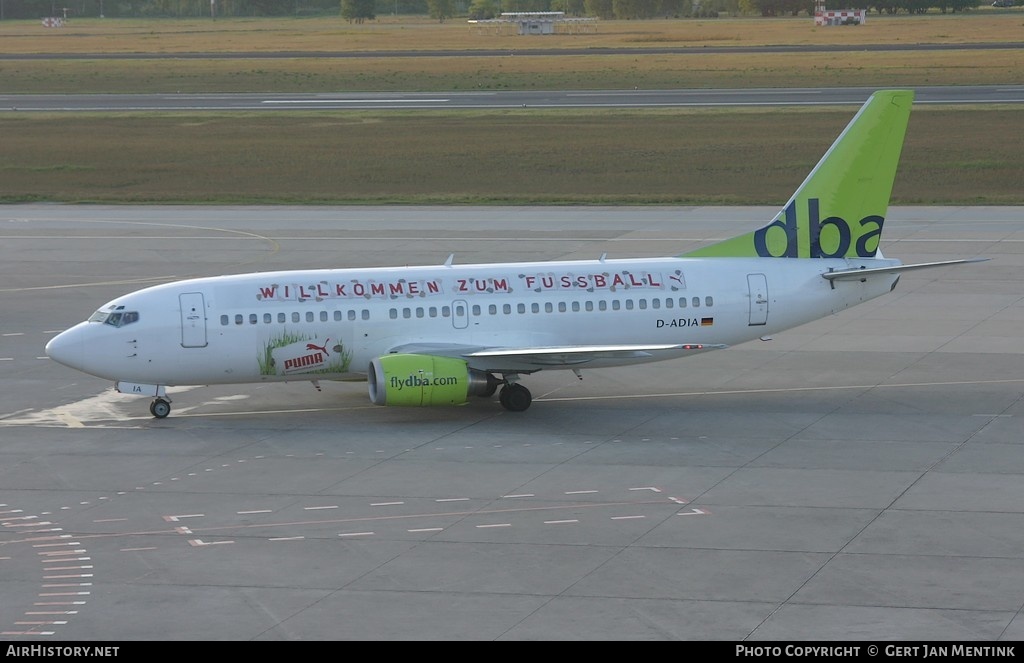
839, 210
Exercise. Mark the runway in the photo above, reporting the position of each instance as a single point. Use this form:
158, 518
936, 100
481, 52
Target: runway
858, 478
454, 100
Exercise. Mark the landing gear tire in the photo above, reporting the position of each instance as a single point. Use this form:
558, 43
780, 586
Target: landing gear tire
159, 408
515, 397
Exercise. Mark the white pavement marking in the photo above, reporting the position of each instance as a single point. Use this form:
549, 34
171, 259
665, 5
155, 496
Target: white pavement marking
53, 545
93, 411
356, 534
559, 522
495, 525
174, 519
199, 542
22, 633
453, 499
386, 503
579, 492
626, 517
693, 512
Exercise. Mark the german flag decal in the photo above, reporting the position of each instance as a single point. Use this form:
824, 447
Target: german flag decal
707, 322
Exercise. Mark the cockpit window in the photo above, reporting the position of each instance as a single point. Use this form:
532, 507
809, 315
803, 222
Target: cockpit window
115, 316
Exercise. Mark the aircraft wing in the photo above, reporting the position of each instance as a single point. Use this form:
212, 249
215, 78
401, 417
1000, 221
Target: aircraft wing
528, 359
861, 274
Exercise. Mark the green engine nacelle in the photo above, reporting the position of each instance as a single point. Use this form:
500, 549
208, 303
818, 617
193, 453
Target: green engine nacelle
423, 380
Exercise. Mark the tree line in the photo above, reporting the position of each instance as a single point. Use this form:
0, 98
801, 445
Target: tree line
362, 10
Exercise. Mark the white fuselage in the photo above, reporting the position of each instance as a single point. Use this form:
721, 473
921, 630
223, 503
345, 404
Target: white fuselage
329, 324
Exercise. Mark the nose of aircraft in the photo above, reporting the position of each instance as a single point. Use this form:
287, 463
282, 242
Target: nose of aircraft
68, 347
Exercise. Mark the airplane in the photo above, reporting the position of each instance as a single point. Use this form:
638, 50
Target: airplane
441, 335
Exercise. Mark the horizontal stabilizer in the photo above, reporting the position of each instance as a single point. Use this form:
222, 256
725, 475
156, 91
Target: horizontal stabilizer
860, 274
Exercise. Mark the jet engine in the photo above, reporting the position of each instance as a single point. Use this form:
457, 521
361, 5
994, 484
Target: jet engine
423, 380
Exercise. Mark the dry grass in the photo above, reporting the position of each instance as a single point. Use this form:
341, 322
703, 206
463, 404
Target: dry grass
518, 71
669, 156
335, 34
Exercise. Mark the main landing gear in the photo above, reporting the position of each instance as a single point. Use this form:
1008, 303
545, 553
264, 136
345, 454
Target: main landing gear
514, 397
160, 408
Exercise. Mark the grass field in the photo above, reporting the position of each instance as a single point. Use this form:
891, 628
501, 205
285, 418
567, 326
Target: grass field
953, 156
419, 33
669, 156
518, 70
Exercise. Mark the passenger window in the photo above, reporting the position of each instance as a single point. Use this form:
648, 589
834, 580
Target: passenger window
576, 307
668, 303
616, 305
223, 320
476, 309
295, 317
239, 319
433, 311
589, 305
535, 307
253, 318
521, 308
323, 316
393, 314
548, 308
419, 311
352, 314
309, 316
696, 302
267, 318
506, 309
655, 303
708, 301
643, 304
337, 316
406, 313
602, 305
561, 307
629, 304
366, 314
682, 302
281, 318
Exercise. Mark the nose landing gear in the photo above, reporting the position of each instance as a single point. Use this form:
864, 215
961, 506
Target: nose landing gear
160, 408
